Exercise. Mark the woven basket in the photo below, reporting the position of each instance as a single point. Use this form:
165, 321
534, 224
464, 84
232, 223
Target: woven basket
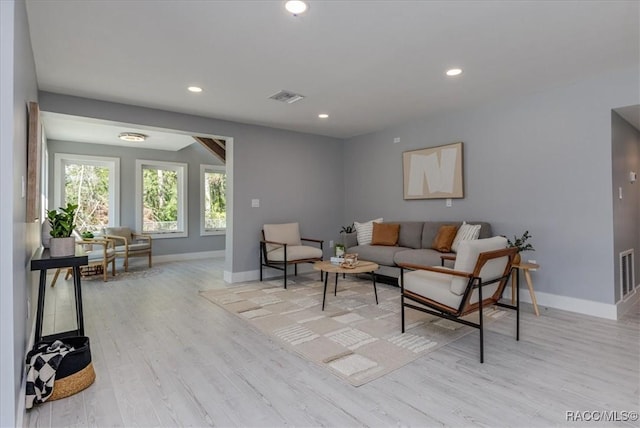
75, 372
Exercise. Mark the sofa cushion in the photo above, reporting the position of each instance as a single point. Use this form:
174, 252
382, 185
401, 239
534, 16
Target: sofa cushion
443, 240
364, 231
410, 234
430, 230
385, 234
383, 255
466, 232
420, 257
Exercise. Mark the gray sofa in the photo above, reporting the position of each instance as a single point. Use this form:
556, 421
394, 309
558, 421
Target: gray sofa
414, 245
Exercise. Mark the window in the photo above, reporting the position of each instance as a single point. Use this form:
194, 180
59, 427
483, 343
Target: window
91, 182
213, 200
161, 194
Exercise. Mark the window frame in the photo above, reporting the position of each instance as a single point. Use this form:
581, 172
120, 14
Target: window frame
203, 170
62, 159
182, 171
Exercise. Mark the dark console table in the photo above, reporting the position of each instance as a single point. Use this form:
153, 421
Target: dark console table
42, 261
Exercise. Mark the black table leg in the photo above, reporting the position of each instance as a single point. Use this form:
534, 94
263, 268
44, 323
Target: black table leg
324, 295
335, 287
375, 290
76, 286
40, 309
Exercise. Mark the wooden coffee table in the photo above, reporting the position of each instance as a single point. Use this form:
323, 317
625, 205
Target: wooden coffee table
363, 266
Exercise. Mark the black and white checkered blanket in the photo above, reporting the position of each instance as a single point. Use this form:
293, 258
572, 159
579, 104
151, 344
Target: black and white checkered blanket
42, 363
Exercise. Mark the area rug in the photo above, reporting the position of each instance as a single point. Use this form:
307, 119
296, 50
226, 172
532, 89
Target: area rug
353, 337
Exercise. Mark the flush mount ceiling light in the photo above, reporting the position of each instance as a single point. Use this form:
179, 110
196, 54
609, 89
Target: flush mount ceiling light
195, 89
323, 116
133, 137
296, 7
454, 72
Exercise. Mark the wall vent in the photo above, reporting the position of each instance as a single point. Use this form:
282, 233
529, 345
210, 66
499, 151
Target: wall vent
627, 273
286, 97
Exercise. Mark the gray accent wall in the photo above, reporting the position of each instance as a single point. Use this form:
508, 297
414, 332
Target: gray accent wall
625, 150
193, 155
296, 176
540, 163
18, 239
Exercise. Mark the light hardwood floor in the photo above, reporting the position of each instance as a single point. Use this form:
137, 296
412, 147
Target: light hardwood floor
164, 356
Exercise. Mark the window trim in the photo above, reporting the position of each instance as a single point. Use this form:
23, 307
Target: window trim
61, 159
204, 169
183, 212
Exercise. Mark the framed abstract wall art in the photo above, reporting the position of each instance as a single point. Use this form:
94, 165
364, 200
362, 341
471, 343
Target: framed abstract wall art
433, 173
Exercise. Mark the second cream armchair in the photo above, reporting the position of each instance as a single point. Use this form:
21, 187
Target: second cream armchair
129, 243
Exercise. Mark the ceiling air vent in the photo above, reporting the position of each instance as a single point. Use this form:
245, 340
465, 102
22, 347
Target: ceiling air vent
286, 97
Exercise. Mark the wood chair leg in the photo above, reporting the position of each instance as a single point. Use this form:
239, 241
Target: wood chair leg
68, 274
113, 267
55, 277
105, 269
149, 259
527, 276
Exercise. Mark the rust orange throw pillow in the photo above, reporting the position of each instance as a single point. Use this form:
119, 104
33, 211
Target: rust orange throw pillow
444, 238
385, 234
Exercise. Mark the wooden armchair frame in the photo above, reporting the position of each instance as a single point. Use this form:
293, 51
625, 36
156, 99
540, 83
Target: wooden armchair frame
107, 258
466, 307
127, 252
284, 264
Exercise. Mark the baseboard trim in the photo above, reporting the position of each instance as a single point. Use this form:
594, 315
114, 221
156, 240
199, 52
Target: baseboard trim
188, 256
625, 305
566, 303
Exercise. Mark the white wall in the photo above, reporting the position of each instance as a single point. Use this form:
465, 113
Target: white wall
540, 163
18, 239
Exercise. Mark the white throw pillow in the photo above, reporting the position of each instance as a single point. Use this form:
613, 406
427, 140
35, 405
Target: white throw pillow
364, 231
466, 232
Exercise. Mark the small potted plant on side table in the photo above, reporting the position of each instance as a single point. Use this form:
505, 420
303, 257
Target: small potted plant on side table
62, 244
87, 235
522, 245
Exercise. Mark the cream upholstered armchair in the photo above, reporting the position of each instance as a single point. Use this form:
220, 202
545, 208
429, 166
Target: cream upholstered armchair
129, 243
281, 246
479, 275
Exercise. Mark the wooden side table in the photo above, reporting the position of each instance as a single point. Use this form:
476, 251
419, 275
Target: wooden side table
525, 267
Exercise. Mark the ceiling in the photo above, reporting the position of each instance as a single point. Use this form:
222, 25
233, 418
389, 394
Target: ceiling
368, 64
87, 130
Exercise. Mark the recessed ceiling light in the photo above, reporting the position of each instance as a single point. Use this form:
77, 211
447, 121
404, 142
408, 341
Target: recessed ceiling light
296, 6
454, 72
134, 137
323, 116
194, 89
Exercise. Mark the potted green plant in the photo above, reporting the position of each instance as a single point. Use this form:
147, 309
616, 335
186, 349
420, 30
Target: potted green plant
521, 243
87, 234
348, 229
341, 248
62, 223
